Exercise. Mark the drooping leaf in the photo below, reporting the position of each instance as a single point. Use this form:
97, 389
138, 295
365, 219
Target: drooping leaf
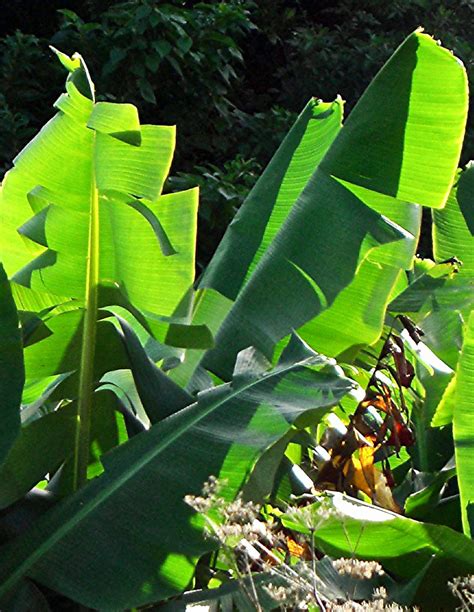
128, 404
223, 433
38, 398
40, 448
426, 498
159, 395
12, 372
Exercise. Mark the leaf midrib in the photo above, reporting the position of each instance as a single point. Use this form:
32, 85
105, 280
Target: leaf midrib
116, 483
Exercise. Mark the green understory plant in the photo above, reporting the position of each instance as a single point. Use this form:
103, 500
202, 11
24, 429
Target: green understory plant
266, 576
224, 190
125, 384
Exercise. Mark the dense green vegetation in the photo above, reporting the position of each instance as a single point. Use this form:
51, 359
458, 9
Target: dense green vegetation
245, 69
126, 384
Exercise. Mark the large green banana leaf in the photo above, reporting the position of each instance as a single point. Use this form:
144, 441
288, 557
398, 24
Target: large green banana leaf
391, 154
341, 243
441, 299
83, 225
463, 427
98, 151
137, 505
453, 300
260, 217
453, 229
82, 218
270, 201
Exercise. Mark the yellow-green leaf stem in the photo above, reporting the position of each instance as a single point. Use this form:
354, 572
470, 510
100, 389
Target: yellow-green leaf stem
463, 428
86, 377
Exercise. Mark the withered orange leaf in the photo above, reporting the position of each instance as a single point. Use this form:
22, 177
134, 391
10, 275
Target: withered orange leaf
302, 551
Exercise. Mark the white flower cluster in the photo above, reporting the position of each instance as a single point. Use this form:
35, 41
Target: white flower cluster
362, 570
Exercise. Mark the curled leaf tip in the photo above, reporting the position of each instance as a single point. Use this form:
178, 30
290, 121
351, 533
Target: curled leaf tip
70, 63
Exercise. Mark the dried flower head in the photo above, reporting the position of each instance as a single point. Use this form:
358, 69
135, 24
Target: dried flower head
228, 521
462, 587
362, 570
212, 486
198, 503
367, 606
277, 593
258, 530
209, 498
240, 512
291, 594
379, 593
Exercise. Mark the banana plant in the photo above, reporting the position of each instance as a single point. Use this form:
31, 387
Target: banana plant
362, 196
81, 207
138, 388
101, 263
441, 301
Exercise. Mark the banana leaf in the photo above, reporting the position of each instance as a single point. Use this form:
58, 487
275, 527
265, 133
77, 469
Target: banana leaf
137, 504
403, 546
453, 226
463, 427
84, 225
353, 227
12, 369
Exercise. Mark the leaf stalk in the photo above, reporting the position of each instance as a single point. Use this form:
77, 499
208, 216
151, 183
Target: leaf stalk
86, 375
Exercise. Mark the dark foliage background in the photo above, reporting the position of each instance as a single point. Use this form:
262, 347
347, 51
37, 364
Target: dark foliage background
232, 75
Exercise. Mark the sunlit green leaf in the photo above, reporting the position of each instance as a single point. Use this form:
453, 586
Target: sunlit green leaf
402, 545
363, 195
463, 427
453, 229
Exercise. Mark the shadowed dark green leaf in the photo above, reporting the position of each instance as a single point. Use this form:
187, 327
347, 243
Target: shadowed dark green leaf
148, 477
159, 395
270, 201
40, 448
12, 372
